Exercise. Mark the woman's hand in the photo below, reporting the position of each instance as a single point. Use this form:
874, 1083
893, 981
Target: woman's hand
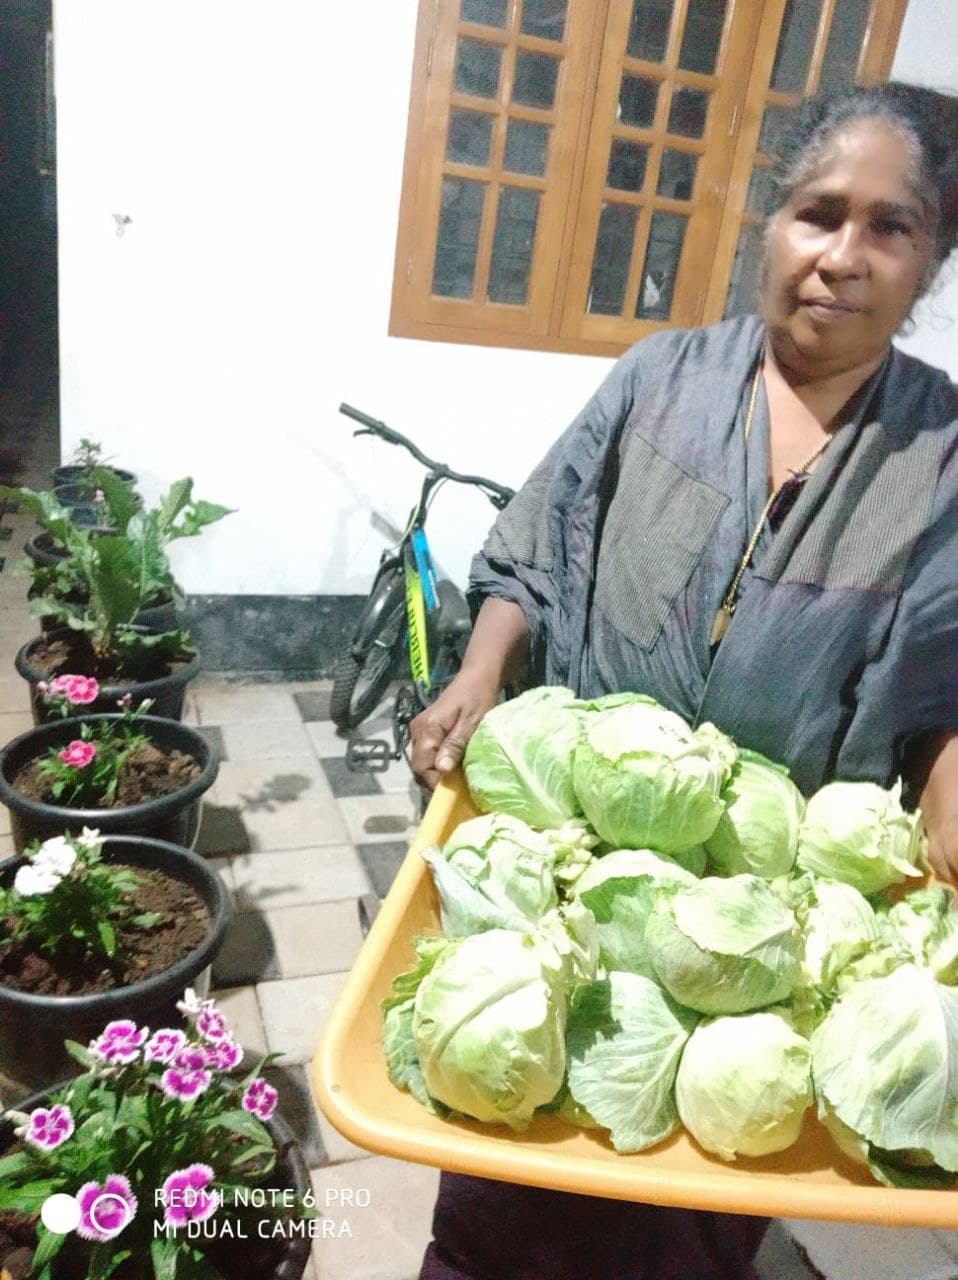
936, 774
440, 733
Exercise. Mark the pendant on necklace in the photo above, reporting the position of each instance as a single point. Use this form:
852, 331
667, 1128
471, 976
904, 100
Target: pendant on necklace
721, 624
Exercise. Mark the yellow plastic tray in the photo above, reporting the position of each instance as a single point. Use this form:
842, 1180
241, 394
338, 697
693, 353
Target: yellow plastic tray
810, 1180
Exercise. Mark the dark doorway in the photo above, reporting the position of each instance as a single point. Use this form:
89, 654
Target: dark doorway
29, 417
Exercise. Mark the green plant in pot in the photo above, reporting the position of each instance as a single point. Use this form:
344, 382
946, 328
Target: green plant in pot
87, 455
98, 590
155, 1154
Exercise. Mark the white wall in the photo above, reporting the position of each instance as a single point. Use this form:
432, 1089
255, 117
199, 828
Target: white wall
258, 152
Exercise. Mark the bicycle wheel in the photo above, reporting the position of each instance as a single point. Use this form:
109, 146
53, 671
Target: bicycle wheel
359, 681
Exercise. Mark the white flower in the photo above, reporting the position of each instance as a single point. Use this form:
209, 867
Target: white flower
32, 880
191, 1004
89, 838
56, 855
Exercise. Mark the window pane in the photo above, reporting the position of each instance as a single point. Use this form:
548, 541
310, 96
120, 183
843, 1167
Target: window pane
512, 245
688, 112
626, 165
526, 146
743, 286
661, 266
677, 175
759, 198
649, 29
796, 40
491, 13
458, 238
543, 18
844, 44
610, 266
775, 123
535, 82
702, 35
470, 135
477, 68
637, 99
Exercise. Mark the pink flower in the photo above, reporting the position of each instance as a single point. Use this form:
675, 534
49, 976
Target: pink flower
78, 754
211, 1024
224, 1055
164, 1044
259, 1098
119, 1042
186, 1198
78, 690
48, 1128
106, 1210
187, 1078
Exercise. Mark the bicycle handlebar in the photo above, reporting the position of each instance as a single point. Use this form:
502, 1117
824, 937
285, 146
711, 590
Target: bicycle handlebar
373, 426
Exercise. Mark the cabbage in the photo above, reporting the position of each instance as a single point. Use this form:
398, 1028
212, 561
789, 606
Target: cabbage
489, 1027
623, 1044
399, 1046
885, 1067
519, 760
758, 832
744, 1085
838, 926
859, 833
494, 872
724, 946
620, 890
925, 925
571, 845
645, 780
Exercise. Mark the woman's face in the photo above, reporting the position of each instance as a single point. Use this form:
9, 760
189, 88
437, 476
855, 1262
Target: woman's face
847, 255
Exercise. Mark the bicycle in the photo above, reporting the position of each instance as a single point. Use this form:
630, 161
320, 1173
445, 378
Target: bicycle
412, 618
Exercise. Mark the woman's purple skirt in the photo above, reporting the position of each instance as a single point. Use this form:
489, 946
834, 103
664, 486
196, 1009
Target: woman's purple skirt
497, 1231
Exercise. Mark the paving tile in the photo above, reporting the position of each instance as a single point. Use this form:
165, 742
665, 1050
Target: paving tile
310, 1272
214, 736
326, 739
287, 805
222, 868
222, 703
344, 781
248, 953
381, 862
379, 817
6, 846
14, 694
338, 1149
292, 877
4, 820
242, 1011
191, 712
312, 704
294, 1011
322, 937
13, 723
265, 740
386, 1239
221, 830
296, 1107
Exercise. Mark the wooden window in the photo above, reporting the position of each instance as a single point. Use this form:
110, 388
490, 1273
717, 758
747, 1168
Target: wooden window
580, 173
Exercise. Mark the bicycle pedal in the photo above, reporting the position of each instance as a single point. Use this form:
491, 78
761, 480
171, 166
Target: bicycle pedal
368, 755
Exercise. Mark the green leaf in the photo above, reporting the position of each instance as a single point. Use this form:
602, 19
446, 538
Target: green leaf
177, 497
163, 1251
242, 1124
19, 1162
122, 502
30, 1197
81, 1054
149, 919
107, 937
51, 1242
199, 515
104, 1260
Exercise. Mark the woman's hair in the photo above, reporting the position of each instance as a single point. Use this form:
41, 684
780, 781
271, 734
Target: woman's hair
926, 120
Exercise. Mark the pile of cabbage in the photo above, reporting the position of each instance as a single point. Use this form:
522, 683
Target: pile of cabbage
649, 927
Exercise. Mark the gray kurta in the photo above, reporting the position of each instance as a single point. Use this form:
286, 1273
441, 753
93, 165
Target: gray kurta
621, 544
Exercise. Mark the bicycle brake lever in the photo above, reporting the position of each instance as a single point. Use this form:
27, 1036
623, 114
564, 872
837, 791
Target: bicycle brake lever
364, 431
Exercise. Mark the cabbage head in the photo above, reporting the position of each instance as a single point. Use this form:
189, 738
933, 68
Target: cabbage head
925, 925
494, 872
645, 780
744, 1084
724, 946
859, 833
489, 1027
620, 890
623, 1044
519, 760
885, 1068
838, 927
758, 832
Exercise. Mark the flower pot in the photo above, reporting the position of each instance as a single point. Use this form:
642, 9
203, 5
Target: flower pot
73, 473
174, 817
44, 550
33, 1027
167, 691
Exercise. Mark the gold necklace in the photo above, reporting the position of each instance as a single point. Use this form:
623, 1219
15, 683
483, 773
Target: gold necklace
727, 608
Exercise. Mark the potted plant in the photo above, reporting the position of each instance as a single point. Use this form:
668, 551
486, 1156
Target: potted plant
166, 1164
89, 454
94, 928
126, 773
100, 588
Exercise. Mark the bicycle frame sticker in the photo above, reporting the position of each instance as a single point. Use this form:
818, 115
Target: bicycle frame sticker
427, 574
416, 621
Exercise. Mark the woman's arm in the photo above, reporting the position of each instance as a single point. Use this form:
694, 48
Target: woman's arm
935, 777
497, 653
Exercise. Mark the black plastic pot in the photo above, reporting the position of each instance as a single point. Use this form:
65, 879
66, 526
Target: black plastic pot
175, 817
73, 473
44, 550
33, 1027
166, 691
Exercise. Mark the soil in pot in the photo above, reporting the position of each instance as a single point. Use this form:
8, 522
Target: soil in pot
140, 952
55, 655
150, 772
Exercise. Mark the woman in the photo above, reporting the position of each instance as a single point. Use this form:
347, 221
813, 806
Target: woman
756, 523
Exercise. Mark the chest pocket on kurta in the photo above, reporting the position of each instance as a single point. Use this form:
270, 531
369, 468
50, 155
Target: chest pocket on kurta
659, 522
